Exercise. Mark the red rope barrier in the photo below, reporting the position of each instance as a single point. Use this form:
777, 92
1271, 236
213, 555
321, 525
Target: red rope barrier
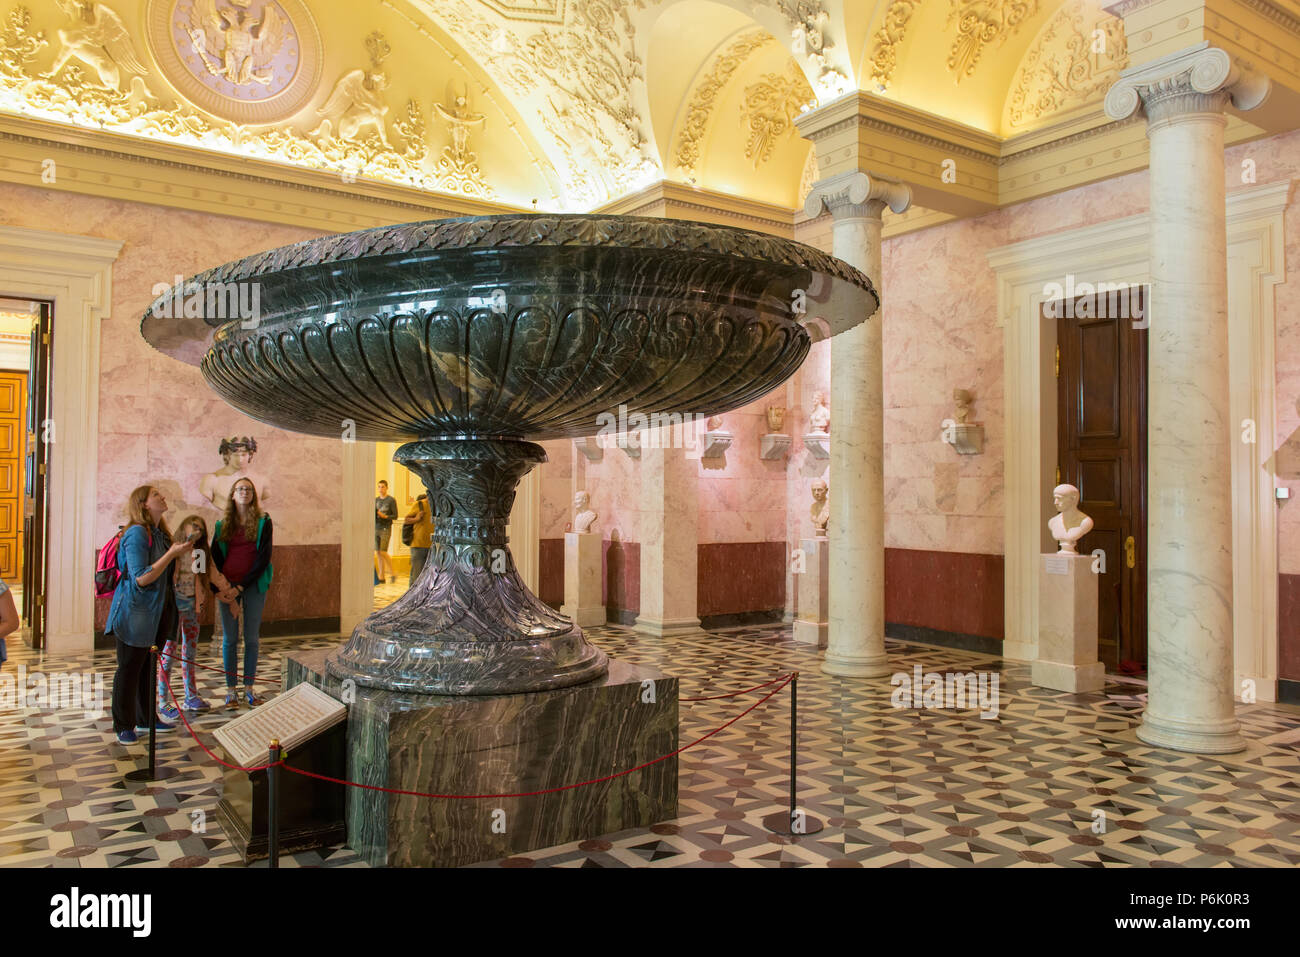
176, 657
564, 787
193, 734
734, 694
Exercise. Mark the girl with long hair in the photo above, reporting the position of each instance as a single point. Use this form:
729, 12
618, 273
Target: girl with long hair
194, 575
143, 611
241, 551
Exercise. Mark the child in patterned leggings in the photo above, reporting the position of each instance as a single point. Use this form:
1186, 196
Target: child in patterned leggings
193, 577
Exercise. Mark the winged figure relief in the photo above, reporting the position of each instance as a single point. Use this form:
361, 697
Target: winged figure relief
355, 104
98, 39
233, 43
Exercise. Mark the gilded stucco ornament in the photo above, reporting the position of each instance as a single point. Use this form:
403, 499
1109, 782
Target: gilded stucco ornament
458, 169
348, 136
98, 39
357, 102
979, 23
690, 140
770, 106
250, 61
1073, 60
887, 40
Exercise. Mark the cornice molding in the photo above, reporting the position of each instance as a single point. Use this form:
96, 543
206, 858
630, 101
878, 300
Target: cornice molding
671, 197
1272, 12
889, 116
1102, 125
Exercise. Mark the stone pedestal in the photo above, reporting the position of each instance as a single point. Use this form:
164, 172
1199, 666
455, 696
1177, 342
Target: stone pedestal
813, 622
1067, 625
669, 540
582, 579
495, 744
774, 445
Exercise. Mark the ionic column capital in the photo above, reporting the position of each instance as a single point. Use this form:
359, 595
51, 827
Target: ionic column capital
857, 195
1197, 81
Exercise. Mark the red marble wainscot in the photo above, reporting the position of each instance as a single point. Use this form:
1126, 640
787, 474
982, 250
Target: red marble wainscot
739, 577
550, 571
1288, 627
620, 580
955, 592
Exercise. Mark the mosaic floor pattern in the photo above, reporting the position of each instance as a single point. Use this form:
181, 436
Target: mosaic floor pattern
1053, 780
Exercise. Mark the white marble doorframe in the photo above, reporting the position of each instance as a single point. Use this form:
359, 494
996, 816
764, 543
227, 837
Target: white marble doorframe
1118, 251
76, 274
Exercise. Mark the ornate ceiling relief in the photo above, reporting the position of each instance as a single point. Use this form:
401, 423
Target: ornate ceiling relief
884, 57
808, 20
588, 65
691, 138
94, 79
1075, 59
809, 176
771, 105
980, 22
244, 60
458, 165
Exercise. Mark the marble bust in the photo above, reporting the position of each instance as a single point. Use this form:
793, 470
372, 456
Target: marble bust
713, 423
963, 400
820, 512
236, 454
819, 421
1071, 524
584, 518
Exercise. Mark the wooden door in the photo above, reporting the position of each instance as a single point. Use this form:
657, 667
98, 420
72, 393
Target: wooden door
40, 436
13, 449
1101, 442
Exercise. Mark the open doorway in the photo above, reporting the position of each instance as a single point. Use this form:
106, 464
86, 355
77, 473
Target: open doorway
1101, 401
403, 487
26, 434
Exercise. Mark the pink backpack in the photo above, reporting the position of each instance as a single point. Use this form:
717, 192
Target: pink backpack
107, 574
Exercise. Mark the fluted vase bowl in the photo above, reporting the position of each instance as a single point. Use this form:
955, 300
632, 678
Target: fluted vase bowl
469, 338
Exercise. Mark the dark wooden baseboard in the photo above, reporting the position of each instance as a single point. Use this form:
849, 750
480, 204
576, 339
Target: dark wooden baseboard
979, 644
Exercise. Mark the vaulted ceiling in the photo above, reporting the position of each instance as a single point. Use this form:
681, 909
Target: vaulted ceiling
547, 104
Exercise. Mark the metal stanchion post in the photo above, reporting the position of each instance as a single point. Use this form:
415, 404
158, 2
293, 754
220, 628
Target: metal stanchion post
792, 821
273, 803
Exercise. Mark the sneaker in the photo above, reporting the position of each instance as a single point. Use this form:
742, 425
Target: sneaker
159, 726
126, 737
195, 703
254, 699
232, 700
168, 713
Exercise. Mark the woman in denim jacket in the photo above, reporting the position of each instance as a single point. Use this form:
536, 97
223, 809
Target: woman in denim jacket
143, 612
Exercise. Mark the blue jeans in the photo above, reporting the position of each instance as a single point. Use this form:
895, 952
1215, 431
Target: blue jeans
253, 601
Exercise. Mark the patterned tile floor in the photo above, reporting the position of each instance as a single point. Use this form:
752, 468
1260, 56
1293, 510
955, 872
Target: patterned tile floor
896, 787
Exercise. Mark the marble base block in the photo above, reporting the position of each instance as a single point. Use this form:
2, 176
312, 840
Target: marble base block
499, 744
582, 557
1067, 625
813, 624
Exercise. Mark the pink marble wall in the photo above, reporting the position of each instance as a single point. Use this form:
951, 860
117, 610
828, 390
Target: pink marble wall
158, 421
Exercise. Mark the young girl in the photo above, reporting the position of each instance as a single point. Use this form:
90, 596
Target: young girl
191, 588
241, 550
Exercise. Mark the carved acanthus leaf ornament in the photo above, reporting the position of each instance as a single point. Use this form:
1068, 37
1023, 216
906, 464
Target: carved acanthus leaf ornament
884, 56
771, 105
1051, 79
981, 22
691, 138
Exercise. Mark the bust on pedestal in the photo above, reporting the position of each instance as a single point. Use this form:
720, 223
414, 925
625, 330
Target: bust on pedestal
582, 556
1067, 605
774, 443
813, 622
818, 440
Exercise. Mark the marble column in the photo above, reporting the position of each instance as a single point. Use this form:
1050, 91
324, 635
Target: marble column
669, 537
856, 639
1189, 502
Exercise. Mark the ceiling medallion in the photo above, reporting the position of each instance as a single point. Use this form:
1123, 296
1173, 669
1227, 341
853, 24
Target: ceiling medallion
250, 61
